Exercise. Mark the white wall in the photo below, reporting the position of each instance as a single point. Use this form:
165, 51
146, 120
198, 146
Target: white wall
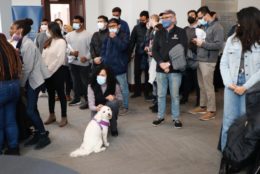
247, 3
132, 8
5, 17
26, 2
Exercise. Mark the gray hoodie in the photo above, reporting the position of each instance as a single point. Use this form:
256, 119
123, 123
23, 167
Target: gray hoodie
209, 50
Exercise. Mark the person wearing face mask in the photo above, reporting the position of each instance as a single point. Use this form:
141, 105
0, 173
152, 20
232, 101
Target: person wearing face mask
207, 55
164, 40
33, 74
79, 60
114, 54
137, 42
97, 40
54, 57
104, 90
14, 37
42, 36
189, 78
116, 13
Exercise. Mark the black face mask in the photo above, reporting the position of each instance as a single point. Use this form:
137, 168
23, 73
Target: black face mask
191, 20
142, 24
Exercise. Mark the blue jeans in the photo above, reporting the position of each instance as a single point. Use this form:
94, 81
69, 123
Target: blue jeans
122, 80
173, 80
234, 107
32, 109
9, 95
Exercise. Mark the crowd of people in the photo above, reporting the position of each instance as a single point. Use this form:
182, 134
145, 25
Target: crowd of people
65, 58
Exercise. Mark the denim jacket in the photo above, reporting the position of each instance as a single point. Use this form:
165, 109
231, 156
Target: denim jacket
230, 63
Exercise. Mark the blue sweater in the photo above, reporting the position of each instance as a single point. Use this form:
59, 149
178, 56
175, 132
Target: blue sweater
114, 53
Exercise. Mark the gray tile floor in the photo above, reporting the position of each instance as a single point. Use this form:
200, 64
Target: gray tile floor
140, 148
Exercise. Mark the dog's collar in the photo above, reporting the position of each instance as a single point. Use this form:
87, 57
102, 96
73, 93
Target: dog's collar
102, 123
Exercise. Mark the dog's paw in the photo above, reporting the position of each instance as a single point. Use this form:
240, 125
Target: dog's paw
73, 155
106, 144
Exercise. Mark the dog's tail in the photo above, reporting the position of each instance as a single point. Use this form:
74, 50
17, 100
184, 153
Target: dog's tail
79, 152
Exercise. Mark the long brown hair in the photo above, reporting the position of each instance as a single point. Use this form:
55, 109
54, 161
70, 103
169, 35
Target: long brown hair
13, 60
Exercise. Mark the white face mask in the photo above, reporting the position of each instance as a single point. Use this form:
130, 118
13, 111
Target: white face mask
115, 17
101, 25
44, 27
113, 30
76, 26
48, 33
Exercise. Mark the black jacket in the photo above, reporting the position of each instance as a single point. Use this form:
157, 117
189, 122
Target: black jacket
97, 42
164, 41
138, 39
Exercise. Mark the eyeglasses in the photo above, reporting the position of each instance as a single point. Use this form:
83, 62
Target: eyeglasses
167, 17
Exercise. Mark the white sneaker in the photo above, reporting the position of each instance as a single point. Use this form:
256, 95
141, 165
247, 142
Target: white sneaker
43, 94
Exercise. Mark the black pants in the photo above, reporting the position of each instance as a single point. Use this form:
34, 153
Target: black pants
80, 79
138, 69
68, 80
56, 84
189, 82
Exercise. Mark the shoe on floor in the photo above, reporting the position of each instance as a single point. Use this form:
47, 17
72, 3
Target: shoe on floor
33, 140
198, 110
12, 151
208, 116
183, 101
114, 133
44, 140
68, 98
177, 123
51, 119
123, 111
84, 106
135, 95
158, 121
74, 102
149, 98
63, 122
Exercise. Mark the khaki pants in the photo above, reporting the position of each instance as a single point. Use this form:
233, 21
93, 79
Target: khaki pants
205, 74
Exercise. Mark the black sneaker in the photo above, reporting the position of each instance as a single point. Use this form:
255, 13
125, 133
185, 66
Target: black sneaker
84, 106
149, 98
177, 123
34, 140
158, 121
74, 102
114, 133
135, 95
12, 151
44, 140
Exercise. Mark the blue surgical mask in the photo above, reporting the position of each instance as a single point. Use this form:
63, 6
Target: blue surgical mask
101, 80
166, 23
202, 22
76, 26
113, 30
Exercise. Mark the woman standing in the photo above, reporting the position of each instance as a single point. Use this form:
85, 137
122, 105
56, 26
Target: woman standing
10, 68
240, 66
32, 80
104, 90
54, 57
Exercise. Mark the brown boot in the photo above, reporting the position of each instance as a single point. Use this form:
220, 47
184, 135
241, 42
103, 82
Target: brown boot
63, 122
51, 119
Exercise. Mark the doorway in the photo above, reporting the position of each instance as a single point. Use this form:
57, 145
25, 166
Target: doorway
63, 9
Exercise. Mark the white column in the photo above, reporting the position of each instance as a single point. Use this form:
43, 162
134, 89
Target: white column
5, 17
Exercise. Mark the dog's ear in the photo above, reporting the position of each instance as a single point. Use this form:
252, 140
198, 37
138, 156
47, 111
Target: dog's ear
98, 115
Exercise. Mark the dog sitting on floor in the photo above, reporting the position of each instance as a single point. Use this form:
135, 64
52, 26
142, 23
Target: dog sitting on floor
95, 134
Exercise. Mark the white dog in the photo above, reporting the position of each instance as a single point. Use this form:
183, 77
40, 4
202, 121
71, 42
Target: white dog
95, 134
